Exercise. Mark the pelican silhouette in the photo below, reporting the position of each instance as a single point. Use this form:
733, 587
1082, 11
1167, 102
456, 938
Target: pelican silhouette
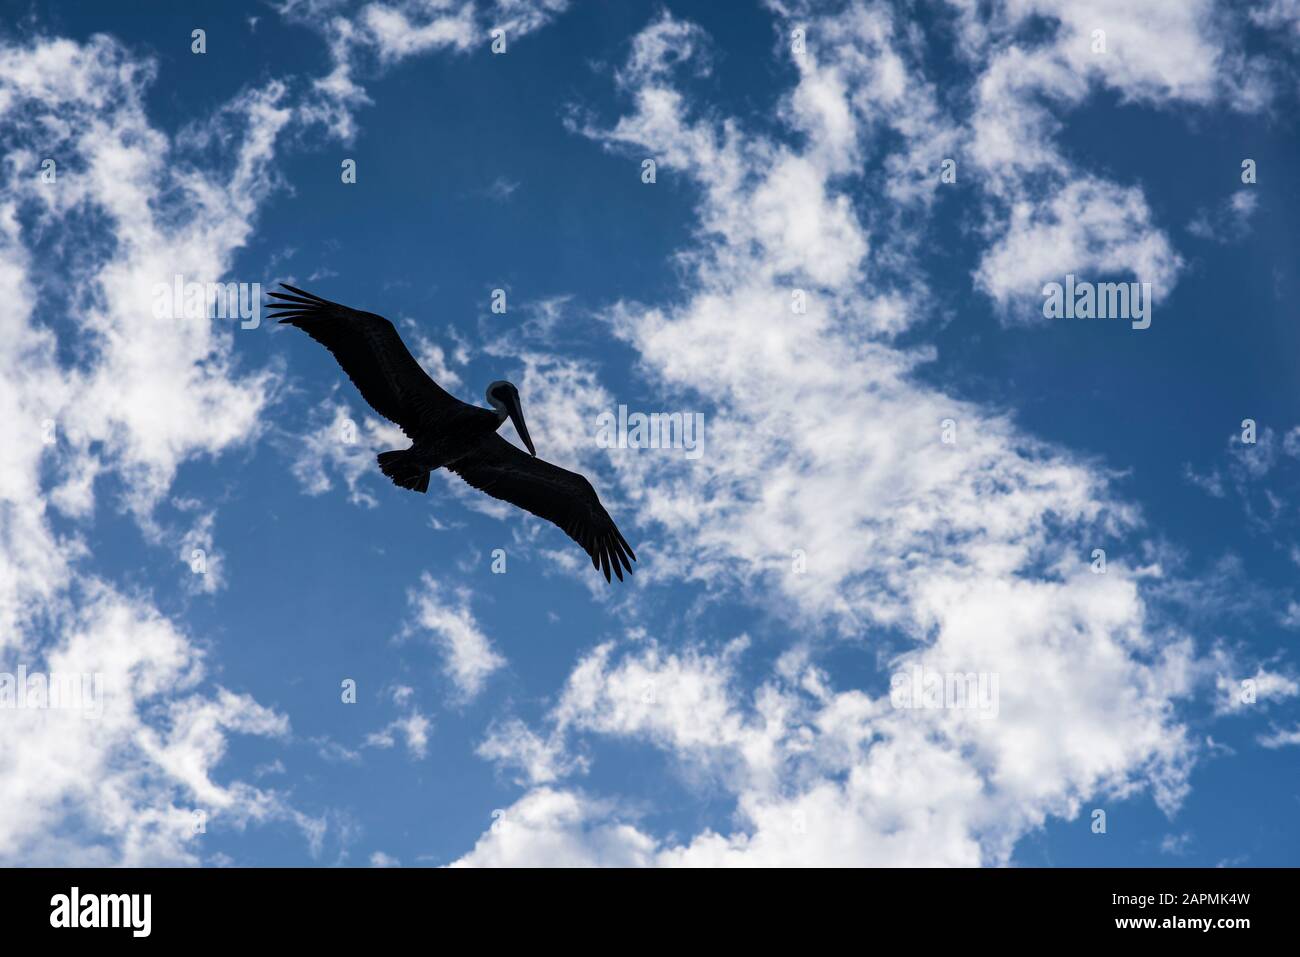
448, 433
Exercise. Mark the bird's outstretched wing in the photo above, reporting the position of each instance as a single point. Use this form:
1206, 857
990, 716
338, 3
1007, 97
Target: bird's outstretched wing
561, 497
373, 355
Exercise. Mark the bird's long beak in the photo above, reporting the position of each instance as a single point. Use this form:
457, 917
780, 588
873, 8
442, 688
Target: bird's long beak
517, 417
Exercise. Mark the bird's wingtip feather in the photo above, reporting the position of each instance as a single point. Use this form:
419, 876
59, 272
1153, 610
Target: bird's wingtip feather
300, 292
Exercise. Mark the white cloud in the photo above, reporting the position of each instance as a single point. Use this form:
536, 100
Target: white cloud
1165, 50
1278, 13
825, 448
1230, 222
539, 760
140, 776
1091, 228
501, 189
204, 565
411, 725
683, 702
823, 777
549, 828
1280, 738
1211, 483
1241, 693
1050, 218
368, 36
1291, 617
444, 618
336, 442
142, 397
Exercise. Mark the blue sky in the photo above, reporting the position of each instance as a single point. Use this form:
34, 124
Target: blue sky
731, 703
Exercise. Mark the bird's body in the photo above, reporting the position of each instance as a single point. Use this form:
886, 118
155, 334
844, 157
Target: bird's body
448, 433
454, 434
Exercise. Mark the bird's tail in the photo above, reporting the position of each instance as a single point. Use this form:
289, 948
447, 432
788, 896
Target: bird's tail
402, 467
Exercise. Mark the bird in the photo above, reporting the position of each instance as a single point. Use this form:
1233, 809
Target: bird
448, 433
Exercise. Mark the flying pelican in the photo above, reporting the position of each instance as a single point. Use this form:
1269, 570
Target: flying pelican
446, 432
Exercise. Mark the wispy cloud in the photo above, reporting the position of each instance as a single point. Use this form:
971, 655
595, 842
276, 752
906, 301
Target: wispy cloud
90, 397
443, 617
828, 462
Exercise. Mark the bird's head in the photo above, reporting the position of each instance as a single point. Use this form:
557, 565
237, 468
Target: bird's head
504, 397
